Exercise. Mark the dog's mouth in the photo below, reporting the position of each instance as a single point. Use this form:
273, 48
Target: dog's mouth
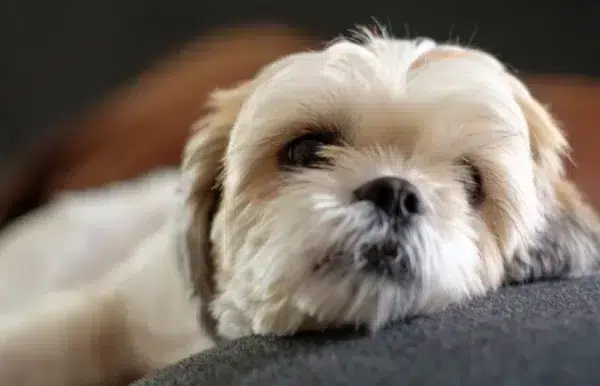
390, 257
390, 260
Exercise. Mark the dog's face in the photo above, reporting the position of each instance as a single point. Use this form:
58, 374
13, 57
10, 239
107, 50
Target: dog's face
363, 183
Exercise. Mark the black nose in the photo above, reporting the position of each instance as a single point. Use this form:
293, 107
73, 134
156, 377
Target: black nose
395, 196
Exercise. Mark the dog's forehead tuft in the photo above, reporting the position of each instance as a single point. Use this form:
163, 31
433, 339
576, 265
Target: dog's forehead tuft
386, 58
347, 72
373, 62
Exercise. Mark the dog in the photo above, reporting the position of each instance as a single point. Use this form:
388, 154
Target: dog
372, 180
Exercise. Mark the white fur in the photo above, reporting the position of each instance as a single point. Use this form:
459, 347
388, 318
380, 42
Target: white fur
80, 236
107, 265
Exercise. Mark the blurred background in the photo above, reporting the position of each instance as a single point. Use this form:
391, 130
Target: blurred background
93, 92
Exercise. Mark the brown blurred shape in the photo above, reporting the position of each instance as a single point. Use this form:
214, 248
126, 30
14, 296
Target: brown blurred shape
575, 102
144, 125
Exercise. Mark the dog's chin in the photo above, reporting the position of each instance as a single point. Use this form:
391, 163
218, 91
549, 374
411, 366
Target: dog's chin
359, 300
366, 300
377, 276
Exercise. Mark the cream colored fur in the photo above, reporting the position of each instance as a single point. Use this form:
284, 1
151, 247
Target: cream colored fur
100, 286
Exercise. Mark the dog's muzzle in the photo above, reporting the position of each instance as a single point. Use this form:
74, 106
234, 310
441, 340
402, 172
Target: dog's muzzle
396, 204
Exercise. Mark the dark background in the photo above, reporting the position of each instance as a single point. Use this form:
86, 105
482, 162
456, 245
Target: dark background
60, 56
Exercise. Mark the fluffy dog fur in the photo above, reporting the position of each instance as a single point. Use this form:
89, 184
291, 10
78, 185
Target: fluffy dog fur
243, 245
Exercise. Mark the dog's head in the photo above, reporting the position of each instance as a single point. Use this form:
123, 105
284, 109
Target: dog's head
368, 181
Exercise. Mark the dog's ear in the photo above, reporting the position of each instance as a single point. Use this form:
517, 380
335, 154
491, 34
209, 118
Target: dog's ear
549, 145
201, 191
567, 244
201, 186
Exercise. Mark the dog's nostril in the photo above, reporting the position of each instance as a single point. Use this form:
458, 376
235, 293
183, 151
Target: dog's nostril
410, 202
395, 196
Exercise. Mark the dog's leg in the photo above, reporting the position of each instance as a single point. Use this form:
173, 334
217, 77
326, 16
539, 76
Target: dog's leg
138, 319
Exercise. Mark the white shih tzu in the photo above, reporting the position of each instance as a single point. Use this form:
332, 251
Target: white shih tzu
373, 180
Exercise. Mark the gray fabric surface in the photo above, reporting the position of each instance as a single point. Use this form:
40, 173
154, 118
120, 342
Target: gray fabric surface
538, 334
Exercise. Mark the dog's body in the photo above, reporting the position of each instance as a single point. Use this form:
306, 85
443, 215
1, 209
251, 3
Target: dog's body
356, 185
81, 256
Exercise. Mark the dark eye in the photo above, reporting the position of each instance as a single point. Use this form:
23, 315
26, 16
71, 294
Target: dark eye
474, 184
303, 151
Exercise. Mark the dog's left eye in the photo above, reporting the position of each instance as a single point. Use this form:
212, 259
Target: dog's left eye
474, 185
303, 151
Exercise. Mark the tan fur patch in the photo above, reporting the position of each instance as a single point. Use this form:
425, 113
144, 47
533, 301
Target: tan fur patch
439, 54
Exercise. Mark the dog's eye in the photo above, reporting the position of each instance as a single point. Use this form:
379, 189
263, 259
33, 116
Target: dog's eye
474, 184
303, 151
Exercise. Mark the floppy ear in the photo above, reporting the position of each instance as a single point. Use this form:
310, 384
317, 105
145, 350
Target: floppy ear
548, 143
568, 243
201, 190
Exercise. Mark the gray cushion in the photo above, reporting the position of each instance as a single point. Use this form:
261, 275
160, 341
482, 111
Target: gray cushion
538, 334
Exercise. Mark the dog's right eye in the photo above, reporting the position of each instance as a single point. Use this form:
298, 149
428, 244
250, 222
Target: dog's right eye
303, 151
474, 185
